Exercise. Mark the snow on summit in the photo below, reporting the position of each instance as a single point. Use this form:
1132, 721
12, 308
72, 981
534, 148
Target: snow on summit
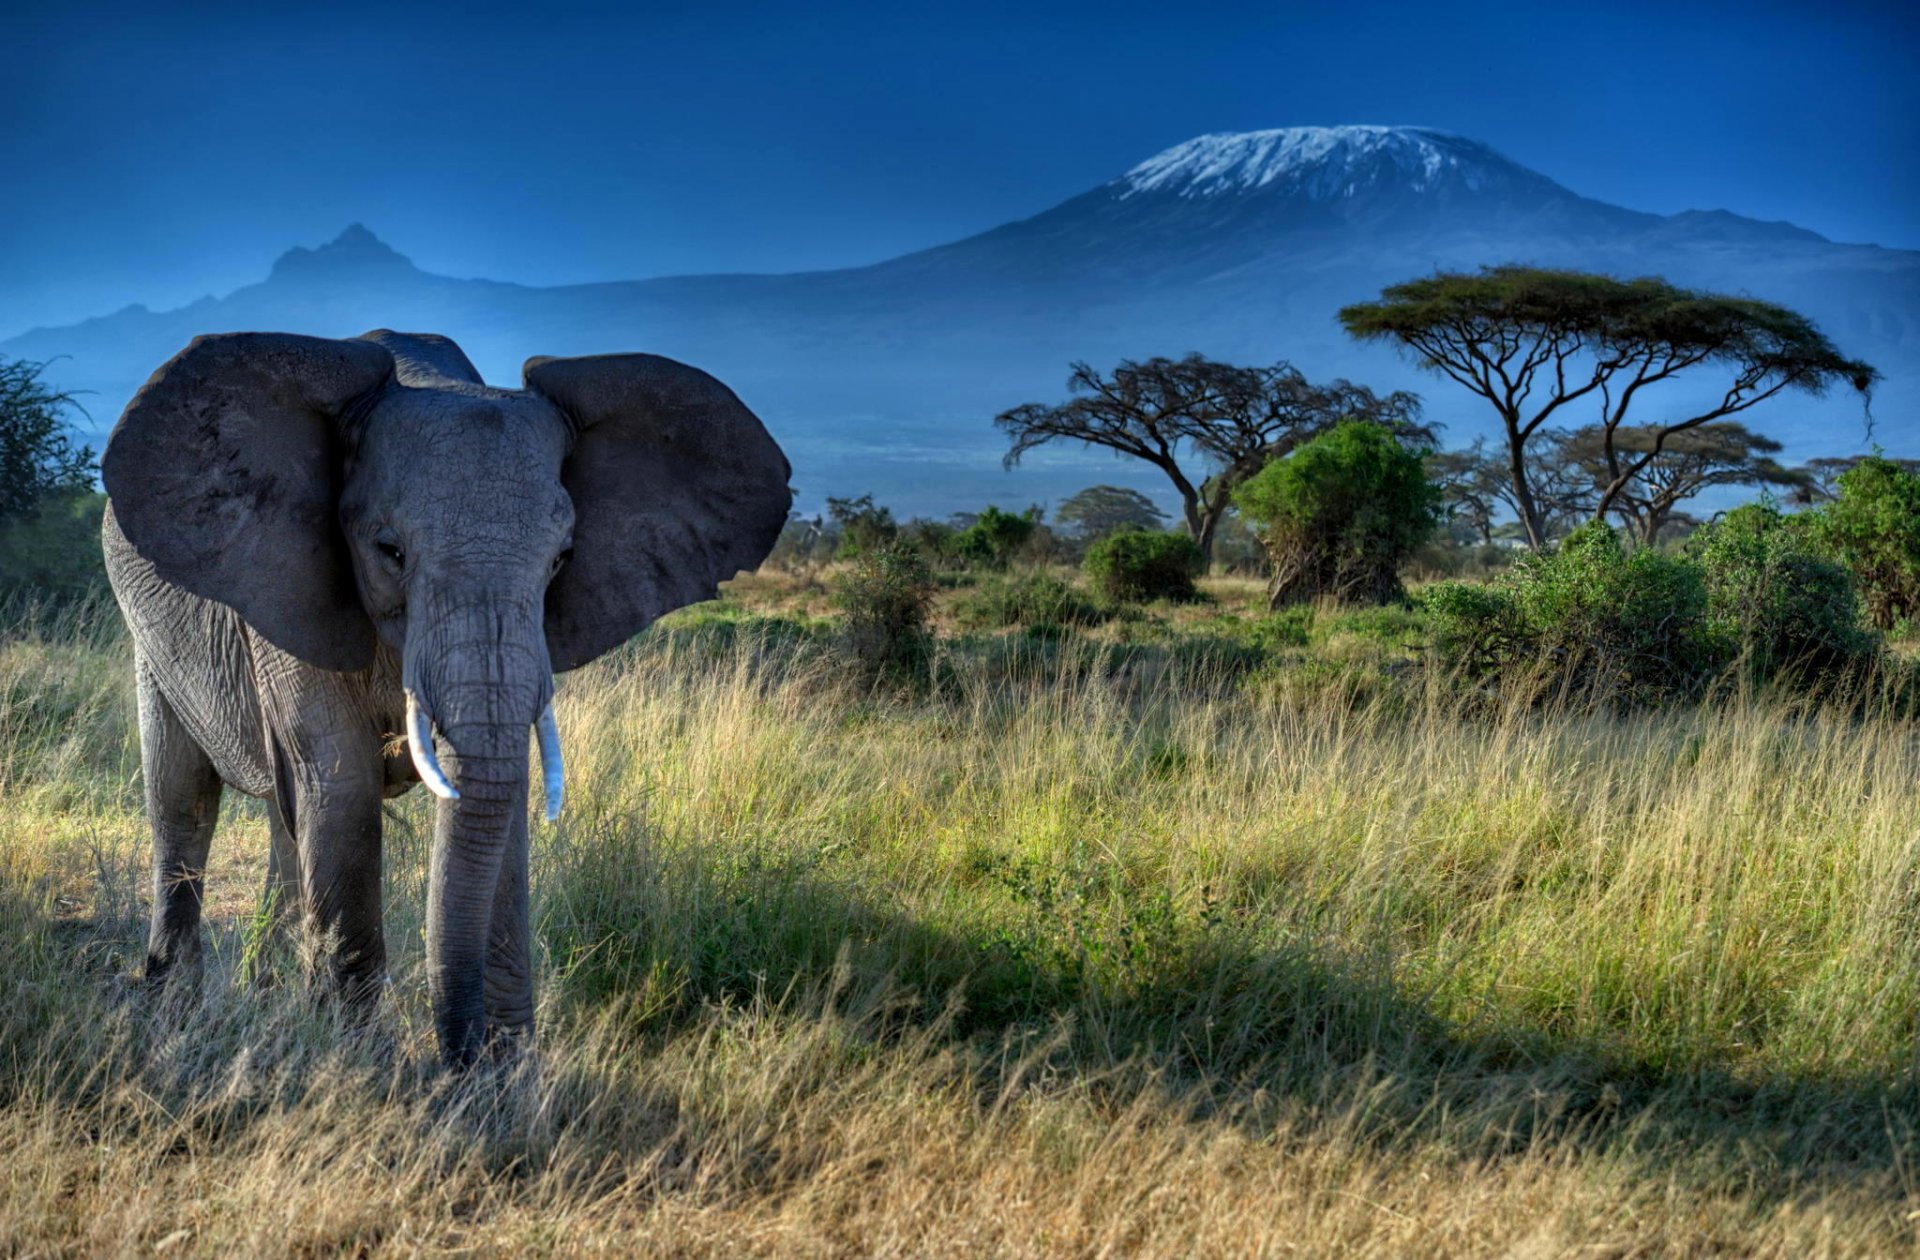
1323, 163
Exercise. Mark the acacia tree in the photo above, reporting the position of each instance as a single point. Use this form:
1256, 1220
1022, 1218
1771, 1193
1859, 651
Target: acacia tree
1186, 415
1101, 510
1821, 482
1477, 486
863, 525
37, 453
1471, 497
1532, 341
1676, 467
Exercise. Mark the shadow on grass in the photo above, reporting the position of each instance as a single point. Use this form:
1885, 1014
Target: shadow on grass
1222, 1027
1191, 1011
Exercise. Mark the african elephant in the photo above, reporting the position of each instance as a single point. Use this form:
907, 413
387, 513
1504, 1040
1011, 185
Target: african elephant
327, 548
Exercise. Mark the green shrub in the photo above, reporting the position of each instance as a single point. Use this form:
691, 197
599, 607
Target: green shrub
1140, 565
994, 538
1594, 616
1027, 599
1873, 527
1776, 598
863, 525
1287, 628
1340, 515
885, 597
53, 552
1477, 627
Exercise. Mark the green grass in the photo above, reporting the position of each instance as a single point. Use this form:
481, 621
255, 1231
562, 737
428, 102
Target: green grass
1195, 932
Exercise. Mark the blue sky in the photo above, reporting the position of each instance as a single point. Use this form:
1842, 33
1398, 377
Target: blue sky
158, 152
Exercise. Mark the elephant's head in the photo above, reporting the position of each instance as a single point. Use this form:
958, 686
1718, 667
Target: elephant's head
339, 492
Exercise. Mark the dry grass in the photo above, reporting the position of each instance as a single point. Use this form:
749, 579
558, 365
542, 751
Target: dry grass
1068, 960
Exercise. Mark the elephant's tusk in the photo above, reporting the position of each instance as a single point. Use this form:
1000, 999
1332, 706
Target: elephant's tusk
553, 773
420, 747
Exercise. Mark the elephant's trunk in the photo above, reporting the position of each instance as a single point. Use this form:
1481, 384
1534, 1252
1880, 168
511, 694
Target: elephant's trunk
479, 688
474, 842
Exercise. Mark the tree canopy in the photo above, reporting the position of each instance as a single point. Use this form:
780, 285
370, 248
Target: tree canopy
1207, 425
1532, 341
1101, 510
1341, 514
1873, 525
38, 455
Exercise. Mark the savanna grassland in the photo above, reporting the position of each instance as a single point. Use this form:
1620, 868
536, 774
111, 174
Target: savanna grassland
1187, 934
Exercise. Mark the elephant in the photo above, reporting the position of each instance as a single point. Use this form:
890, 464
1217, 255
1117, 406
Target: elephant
349, 565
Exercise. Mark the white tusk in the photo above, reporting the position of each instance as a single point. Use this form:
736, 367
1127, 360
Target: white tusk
553, 772
420, 747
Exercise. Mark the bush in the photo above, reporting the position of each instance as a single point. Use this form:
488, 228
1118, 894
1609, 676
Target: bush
885, 597
1477, 627
1340, 515
1776, 598
38, 456
1140, 565
53, 553
1754, 589
1873, 527
1631, 625
1029, 599
863, 526
994, 538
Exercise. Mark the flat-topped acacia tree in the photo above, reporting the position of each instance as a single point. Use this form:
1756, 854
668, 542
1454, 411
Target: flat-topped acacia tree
1207, 425
1724, 453
1531, 341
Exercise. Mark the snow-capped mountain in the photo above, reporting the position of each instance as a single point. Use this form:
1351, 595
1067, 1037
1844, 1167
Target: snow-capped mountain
885, 378
1329, 164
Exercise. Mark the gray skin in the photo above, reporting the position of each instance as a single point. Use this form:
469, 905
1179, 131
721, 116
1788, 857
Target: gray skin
301, 530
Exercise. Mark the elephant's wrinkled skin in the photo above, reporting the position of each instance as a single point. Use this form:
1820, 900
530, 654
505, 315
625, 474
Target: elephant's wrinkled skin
303, 533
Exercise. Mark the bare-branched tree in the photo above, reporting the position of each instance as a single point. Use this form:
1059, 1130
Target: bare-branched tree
1207, 425
1675, 467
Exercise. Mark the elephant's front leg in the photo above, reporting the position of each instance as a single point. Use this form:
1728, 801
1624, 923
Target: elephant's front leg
183, 801
329, 787
509, 949
338, 830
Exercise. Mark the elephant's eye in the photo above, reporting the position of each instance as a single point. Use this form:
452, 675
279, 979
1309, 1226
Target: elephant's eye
391, 550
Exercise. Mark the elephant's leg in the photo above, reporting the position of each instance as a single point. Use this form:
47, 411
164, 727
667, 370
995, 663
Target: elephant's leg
509, 987
328, 786
282, 893
338, 828
183, 801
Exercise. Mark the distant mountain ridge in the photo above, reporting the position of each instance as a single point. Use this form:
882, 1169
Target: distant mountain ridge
884, 378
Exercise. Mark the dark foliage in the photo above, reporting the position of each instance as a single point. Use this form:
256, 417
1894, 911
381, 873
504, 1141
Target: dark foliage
1339, 516
885, 597
1138, 565
1101, 510
38, 456
1207, 425
993, 538
1873, 527
862, 525
1531, 341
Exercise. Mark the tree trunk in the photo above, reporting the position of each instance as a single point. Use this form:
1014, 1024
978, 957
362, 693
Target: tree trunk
1523, 491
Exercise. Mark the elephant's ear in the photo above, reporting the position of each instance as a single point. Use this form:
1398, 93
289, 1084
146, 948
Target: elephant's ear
224, 472
676, 487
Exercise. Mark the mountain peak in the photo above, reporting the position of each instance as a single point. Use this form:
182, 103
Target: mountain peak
1325, 164
355, 254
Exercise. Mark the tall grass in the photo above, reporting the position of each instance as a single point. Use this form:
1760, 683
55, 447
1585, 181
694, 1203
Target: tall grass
1077, 953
